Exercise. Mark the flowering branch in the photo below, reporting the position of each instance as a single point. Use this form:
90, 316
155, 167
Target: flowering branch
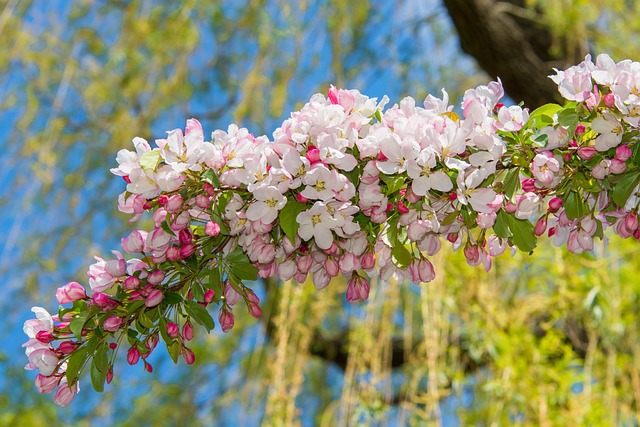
344, 187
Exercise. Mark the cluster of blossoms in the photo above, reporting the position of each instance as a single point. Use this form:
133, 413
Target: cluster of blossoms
347, 188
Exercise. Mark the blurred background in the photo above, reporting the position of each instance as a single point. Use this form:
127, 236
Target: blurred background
549, 339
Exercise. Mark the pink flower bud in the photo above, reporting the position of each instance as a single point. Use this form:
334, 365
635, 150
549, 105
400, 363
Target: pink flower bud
332, 267
251, 296
209, 189
187, 331
555, 204
617, 166
68, 347
188, 356
230, 294
174, 204
185, 236
100, 299
112, 323
202, 201
109, 376
541, 226
422, 271
131, 283
304, 263
46, 384
212, 229
133, 355
45, 337
155, 297
623, 153
411, 196
609, 100
255, 310
580, 129
528, 185
225, 318
587, 152
301, 198
631, 221
209, 295
313, 155
134, 243
357, 289
147, 366
151, 343
187, 250
368, 261
173, 254
65, 393
113, 345
402, 208
510, 207
472, 254
163, 199
156, 277
70, 292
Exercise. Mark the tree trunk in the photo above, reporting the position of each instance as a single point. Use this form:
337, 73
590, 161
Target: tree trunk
509, 42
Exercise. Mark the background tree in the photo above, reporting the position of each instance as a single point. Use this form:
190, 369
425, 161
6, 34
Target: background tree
544, 340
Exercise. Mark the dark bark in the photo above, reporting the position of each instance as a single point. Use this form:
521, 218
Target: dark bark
507, 41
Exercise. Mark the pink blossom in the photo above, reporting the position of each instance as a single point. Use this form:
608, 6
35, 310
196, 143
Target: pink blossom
225, 318
357, 289
70, 292
188, 356
187, 331
545, 168
172, 330
113, 323
135, 242
421, 271
154, 298
231, 295
212, 229
43, 359
65, 393
46, 384
133, 355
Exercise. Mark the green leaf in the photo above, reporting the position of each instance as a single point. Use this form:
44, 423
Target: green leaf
511, 183
287, 218
99, 367
543, 115
400, 256
97, 378
166, 227
501, 226
522, 231
162, 326
210, 176
174, 350
77, 323
450, 218
144, 320
150, 160
200, 314
574, 205
391, 235
568, 117
172, 298
245, 271
75, 363
378, 115
393, 182
623, 188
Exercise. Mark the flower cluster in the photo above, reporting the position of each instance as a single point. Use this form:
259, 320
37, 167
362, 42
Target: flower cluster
347, 188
